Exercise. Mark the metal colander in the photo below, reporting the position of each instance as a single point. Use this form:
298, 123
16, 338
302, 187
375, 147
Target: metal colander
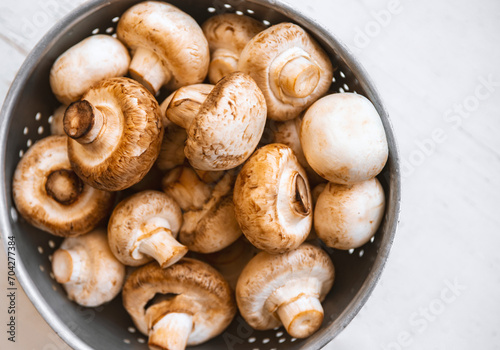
26, 118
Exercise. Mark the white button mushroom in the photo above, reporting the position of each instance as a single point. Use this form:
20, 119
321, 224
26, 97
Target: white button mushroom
272, 200
168, 46
347, 216
51, 197
144, 227
115, 132
91, 60
87, 269
227, 35
343, 138
193, 303
229, 125
286, 289
290, 68
57, 126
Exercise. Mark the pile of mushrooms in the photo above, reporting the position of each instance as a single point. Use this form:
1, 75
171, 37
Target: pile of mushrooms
228, 228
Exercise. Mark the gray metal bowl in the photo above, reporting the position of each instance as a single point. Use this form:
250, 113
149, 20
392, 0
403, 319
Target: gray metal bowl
25, 118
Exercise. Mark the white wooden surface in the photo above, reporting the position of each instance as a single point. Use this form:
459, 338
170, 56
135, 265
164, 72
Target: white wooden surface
437, 65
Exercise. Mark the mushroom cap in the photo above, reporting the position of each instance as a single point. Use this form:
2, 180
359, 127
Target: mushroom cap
56, 125
81, 208
131, 216
308, 267
264, 48
170, 33
196, 289
343, 138
172, 147
105, 273
272, 200
347, 216
130, 141
228, 126
81, 66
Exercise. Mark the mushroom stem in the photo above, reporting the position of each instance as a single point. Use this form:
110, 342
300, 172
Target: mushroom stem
70, 265
295, 74
299, 196
185, 105
171, 332
64, 186
83, 122
302, 316
223, 63
161, 246
146, 67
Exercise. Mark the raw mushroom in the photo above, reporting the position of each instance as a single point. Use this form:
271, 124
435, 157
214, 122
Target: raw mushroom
168, 46
56, 125
115, 132
286, 289
193, 303
290, 68
288, 133
172, 147
343, 138
81, 66
347, 216
144, 227
51, 197
88, 270
272, 200
227, 35
316, 191
228, 126
209, 220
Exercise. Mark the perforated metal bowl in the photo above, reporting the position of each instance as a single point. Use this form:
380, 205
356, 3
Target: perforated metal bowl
25, 118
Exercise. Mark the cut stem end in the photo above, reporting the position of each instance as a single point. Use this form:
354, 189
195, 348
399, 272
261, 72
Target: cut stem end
82, 121
301, 317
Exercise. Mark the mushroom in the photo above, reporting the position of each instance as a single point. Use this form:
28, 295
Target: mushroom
168, 46
56, 123
228, 126
227, 34
288, 133
272, 200
343, 138
290, 68
286, 289
115, 133
81, 66
209, 220
193, 303
347, 216
144, 227
51, 197
87, 269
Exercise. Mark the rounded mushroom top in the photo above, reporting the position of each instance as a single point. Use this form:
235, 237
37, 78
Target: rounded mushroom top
51, 197
116, 134
172, 35
290, 68
268, 279
138, 215
90, 273
343, 138
189, 286
272, 199
228, 126
91, 60
227, 35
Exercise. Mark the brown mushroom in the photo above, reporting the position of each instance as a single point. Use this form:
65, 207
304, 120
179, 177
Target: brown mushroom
286, 289
81, 66
189, 303
290, 68
51, 197
227, 34
115, 133
228, 126
272, 200
56, 123
144, 227
168, 46
88, 270
347, 216
188, 190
